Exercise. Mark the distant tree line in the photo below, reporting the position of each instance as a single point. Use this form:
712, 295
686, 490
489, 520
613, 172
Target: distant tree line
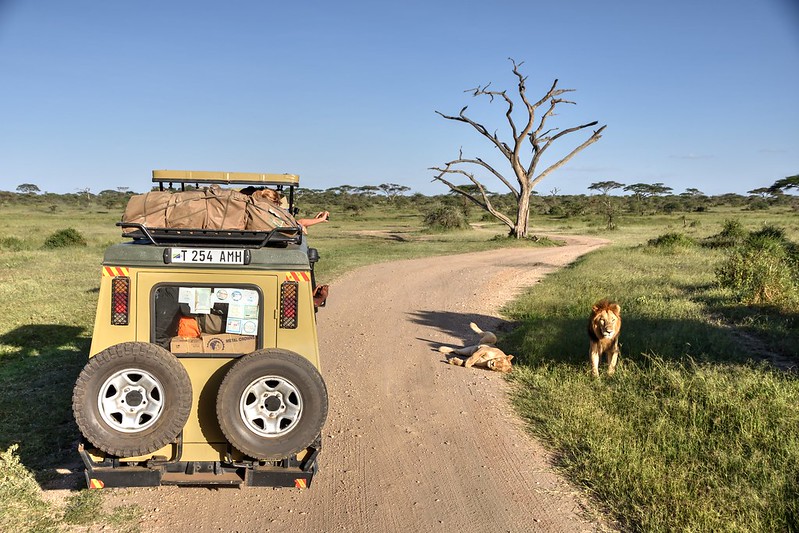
607, 198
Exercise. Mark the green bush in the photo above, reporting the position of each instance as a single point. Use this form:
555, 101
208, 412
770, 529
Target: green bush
12, 243
445, 218
763, 269
64, 238
672, 240
732, 233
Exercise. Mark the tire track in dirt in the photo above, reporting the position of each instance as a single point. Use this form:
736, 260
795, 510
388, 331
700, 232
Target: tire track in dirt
411, 443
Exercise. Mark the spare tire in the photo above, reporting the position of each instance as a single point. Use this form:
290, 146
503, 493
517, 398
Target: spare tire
272, 404
132, 399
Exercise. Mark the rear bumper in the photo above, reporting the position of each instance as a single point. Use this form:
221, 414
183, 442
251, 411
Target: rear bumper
113, 473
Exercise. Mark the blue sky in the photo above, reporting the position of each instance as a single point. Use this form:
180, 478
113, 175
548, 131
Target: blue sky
700, 93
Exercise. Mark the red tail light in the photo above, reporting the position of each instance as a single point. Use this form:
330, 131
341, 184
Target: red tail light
120, 300
288, 304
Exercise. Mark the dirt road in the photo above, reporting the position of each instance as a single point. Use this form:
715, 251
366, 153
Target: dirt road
411, 443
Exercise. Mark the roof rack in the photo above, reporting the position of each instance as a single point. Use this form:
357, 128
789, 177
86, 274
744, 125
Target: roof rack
205, 237
224, 178
207, 177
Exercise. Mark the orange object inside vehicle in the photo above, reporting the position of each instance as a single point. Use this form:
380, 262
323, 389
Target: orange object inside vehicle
188, 327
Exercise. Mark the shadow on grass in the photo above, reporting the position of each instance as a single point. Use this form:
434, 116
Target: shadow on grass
554, 339
565, 340
775, 327
36, 381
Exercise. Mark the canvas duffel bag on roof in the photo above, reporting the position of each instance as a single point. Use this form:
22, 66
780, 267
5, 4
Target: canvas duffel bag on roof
187, 209
211, 208
226, 209
148, 209
263, 215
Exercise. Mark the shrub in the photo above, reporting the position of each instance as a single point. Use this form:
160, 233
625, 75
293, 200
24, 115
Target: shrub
445, 218
732, 233
763, 269
12, 243
672, 240
64, 238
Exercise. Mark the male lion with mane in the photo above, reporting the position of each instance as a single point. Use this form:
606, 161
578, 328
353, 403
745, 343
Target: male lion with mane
604, 326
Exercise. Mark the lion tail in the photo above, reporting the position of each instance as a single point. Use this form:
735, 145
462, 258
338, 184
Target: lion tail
445, 349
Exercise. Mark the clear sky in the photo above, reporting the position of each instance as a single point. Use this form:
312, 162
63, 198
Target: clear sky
694, 93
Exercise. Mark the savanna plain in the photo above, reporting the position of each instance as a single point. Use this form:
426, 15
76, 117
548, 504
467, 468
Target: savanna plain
697, 431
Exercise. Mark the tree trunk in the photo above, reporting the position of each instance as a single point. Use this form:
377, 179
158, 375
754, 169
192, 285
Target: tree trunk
521, 228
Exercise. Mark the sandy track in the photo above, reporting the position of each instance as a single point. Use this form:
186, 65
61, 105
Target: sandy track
411, 443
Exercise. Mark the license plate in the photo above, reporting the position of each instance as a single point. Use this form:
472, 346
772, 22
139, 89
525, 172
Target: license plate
207, 256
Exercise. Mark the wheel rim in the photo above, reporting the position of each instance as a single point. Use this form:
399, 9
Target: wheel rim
271, 406
131, 400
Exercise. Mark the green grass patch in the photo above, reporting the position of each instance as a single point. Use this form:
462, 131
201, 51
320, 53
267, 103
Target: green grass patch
85, 508
674, 447
691, 434
21, 505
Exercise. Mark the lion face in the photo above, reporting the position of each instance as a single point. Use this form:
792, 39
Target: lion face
501, 364
606, 319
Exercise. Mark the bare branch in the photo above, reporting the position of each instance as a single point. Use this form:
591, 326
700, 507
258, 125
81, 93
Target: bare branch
499, 176
481, 129
484, 202
480, 162
591, 140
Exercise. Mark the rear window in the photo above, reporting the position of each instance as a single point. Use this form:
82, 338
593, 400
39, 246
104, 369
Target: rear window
196, 319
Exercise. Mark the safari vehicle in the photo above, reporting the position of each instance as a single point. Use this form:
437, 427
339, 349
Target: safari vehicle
243, 402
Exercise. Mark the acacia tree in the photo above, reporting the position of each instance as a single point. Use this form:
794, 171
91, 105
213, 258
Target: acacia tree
28, 188
529, 141
642, 191
392, 189
607, 205
791, 182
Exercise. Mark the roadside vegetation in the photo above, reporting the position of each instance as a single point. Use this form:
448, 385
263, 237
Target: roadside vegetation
699, 430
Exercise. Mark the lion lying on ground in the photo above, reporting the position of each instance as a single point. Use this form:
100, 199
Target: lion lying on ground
481, 355
604, 326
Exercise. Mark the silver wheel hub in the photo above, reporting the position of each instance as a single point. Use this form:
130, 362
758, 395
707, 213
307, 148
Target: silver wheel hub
271, 406
131, 400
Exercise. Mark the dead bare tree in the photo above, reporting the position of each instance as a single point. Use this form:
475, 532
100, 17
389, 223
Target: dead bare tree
523, 158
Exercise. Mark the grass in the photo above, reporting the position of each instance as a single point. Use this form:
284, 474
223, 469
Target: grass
689, 435
693, 433
666, 446
21, 505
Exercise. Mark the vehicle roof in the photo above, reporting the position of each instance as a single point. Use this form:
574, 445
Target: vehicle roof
205, 176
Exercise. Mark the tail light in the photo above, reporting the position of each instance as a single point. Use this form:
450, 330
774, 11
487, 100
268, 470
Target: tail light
120, 300
288, 304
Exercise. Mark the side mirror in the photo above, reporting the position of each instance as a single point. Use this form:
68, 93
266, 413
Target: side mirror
313, 255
